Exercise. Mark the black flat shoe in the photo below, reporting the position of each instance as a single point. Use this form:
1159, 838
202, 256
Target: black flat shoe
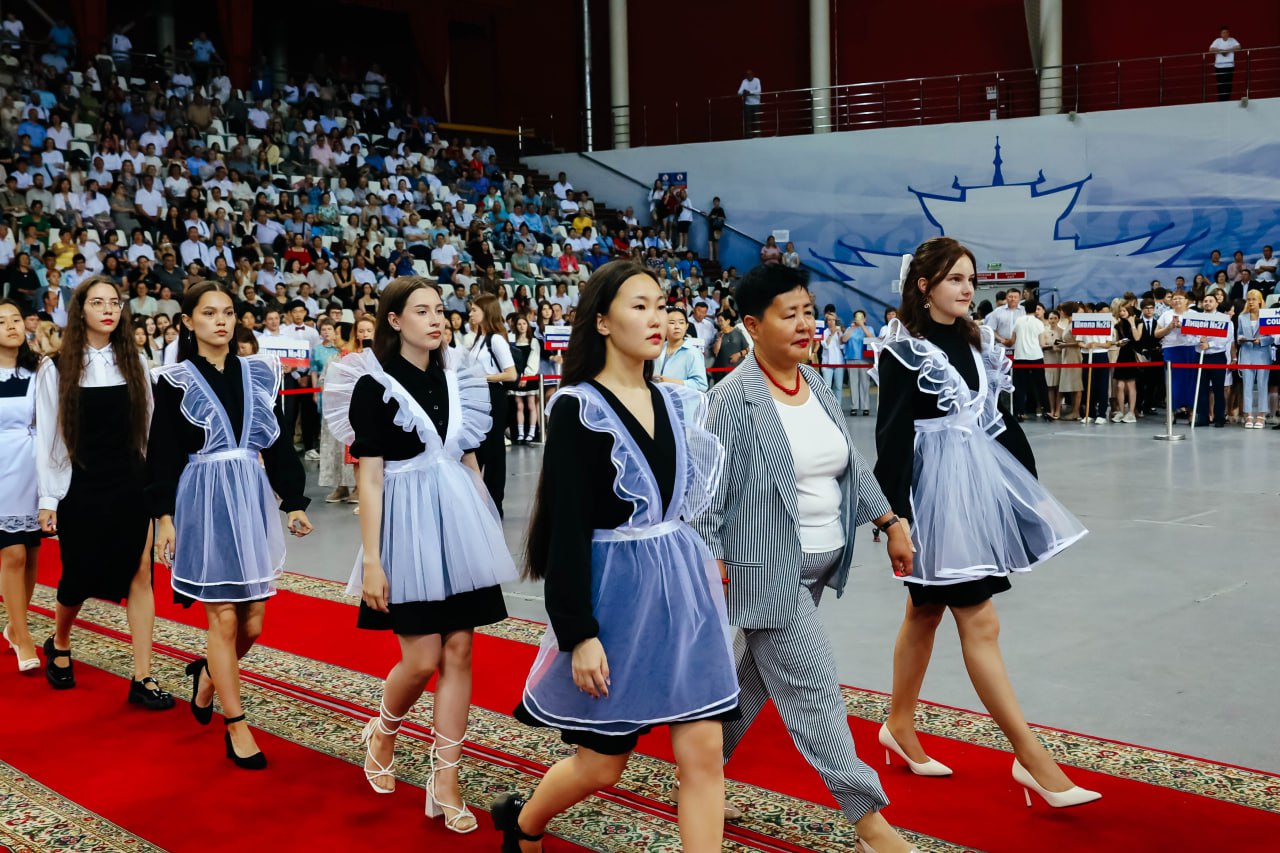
257, 761
505, 812
59, 677
205, 714
148, 694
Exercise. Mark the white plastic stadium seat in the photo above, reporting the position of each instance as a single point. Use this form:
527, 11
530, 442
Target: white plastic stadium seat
82, 130
421, 267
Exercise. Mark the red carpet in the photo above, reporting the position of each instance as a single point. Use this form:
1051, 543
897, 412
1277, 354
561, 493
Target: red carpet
163, 777
980, 807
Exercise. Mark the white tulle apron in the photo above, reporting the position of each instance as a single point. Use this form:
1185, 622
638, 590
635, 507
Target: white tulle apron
656, 591
441, 533
978, 511
229, 543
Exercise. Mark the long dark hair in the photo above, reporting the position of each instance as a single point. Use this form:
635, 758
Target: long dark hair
934, 258
188, 347
583, 360
75, 341
386, 340
28, 359
585, 356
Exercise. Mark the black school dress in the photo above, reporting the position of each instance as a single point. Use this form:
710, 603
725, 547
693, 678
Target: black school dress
174, 439
103, 521
578, 469
376, 434
901, 404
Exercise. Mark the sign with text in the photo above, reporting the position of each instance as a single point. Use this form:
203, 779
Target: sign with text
675, 180
999, 275
1092, 325
1215, 325
819, 330
1269, 321
558, 337
293, 352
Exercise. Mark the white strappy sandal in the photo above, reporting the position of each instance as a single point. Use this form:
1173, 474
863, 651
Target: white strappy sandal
457, 819
366, 737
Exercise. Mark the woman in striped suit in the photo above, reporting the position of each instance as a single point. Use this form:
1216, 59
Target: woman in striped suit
781, 525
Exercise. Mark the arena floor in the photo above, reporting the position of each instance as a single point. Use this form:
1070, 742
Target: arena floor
1158, 629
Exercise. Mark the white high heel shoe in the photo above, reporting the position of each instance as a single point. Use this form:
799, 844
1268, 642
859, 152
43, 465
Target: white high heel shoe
24, 665
925, 768
366, 737
457, 819
1076, 796
861, 846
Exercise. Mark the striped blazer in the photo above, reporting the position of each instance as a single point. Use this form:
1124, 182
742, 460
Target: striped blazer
752, 522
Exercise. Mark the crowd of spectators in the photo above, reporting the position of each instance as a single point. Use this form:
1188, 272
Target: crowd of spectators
1145, 331
313, 193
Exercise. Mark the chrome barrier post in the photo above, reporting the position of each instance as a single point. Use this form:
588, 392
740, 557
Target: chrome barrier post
1169, 434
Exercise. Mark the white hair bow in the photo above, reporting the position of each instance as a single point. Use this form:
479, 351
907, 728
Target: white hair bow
906, 265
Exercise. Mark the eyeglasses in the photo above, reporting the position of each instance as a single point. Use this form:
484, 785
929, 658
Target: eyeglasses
97, 304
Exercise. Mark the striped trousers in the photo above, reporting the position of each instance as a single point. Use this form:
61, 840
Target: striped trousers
795, 667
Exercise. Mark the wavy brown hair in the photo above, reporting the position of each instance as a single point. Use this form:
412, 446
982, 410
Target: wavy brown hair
491, 315
386, 340
934, 258
70, 361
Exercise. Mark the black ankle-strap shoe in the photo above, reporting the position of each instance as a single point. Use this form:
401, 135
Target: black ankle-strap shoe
203, 714
257, 761
148, 694
59, 677
505, 812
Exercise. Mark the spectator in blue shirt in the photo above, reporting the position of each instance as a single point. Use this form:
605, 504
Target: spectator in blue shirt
33, 129
1211, 266
63, 38
596, 257
196, 162
401, 259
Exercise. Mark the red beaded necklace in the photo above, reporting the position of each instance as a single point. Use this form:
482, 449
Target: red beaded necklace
790, 392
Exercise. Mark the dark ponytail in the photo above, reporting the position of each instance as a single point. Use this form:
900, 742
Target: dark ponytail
188, 347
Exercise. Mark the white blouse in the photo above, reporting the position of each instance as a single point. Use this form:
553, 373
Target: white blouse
493, 353
821, 456
53, 464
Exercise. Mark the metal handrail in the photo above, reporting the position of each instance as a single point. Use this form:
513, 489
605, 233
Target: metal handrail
1082, 87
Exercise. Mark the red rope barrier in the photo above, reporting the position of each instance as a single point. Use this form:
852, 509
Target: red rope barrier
1052, 365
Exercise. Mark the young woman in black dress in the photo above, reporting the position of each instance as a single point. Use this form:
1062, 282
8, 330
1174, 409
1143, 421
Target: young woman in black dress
433, 557
959, 470
93, 401
19, 515
639, 629
218, 528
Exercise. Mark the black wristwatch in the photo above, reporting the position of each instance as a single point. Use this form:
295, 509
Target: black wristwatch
890, 523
